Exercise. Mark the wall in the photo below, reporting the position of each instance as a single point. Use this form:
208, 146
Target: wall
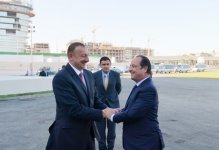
19, 84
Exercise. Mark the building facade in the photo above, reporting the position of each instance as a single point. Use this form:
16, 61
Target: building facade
14, 24
40, 48
120, 54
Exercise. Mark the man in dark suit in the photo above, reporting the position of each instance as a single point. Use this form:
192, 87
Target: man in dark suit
108, 87
76, 105
140, 125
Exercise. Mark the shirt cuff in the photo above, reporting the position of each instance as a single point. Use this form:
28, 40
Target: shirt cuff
111, 118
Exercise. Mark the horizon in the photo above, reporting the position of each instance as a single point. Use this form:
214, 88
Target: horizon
170, 28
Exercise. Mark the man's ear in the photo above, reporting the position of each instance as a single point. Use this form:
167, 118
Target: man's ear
69, 55
145, 68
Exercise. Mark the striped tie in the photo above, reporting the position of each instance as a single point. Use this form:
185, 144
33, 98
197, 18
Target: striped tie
82, 78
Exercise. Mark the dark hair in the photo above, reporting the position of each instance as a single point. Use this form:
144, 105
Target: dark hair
104, 58
72, 46
145, 62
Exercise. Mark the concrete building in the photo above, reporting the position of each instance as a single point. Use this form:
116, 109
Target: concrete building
14, 24
120, 54
191, 60
41, 48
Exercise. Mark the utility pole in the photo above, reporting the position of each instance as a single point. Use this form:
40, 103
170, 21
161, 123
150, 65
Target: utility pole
131, 42
94, 34
148, 40
31, 30
149, 49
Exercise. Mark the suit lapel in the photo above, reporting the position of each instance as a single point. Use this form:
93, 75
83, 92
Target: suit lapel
135, 90
87, 82
76, 78
131, 96
110, 79
100, 76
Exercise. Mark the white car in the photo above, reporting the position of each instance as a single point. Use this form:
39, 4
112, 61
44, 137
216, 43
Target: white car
154, 68
165, 68
182, 68
199, 68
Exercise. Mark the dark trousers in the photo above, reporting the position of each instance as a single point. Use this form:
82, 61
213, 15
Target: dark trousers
91, 145
65, 139
106, 141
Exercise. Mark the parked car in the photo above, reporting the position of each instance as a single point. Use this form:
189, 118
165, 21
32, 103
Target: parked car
154, 68
92, 69
126, 70
48, 71
182, 68
117, 70
165, 68
51, 72
199, 68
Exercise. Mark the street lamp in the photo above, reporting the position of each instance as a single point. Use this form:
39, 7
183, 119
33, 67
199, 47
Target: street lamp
31, 30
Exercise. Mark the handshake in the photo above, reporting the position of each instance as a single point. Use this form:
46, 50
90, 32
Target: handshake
108, 112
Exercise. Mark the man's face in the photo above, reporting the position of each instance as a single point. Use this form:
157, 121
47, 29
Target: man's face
137, 72
105, 65
79, 57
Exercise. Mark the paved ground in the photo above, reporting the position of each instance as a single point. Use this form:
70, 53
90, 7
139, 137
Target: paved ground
188, 115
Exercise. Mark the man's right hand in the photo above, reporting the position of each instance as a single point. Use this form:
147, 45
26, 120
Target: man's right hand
108, 112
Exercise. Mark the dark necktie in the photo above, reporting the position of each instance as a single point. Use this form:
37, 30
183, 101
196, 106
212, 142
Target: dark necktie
82, 78
85, 87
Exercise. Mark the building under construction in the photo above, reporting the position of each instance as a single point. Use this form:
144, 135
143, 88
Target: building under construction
120, 54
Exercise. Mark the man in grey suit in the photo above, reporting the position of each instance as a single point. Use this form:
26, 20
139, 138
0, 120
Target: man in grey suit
108, 87
76, 104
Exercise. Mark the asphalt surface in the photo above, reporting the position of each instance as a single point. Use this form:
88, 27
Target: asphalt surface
188, 116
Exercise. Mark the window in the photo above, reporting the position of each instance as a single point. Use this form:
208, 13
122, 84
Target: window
11, 14
10, 31
16, 19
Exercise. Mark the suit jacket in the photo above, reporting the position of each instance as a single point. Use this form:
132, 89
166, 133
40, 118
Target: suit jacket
75, 111
43, 73
109, 96
140, 125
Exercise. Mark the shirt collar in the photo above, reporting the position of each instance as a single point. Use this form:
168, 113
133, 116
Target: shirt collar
76, 70
142, 81
103, 73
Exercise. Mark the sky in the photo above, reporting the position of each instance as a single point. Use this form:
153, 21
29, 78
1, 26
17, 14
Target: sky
170, 27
